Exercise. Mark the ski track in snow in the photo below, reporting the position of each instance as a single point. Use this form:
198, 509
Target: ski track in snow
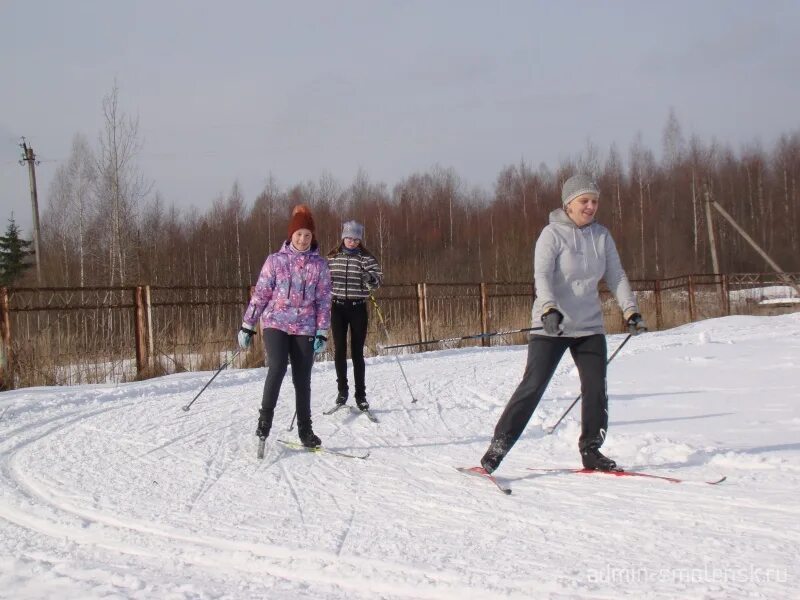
115, 492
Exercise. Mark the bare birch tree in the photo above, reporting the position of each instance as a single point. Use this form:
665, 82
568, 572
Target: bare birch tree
264, 214
642, 165
70, 201
120, 185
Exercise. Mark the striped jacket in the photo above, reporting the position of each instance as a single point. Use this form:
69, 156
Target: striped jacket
354, 275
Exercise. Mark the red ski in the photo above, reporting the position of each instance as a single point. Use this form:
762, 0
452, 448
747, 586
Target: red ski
621, 473
481, 472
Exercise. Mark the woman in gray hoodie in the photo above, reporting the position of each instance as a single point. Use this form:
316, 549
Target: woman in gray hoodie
573, 253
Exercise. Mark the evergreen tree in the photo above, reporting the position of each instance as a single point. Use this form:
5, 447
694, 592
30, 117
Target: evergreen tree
13, 254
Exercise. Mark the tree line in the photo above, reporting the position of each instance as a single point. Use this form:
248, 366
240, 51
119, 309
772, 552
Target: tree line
104, 225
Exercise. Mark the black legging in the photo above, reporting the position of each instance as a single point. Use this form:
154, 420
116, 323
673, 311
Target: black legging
544, 354
353, 314
281, 348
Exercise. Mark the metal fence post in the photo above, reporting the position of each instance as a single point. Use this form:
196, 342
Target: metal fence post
726, 297
485, 341
149, 313
692, 308
140, 330
422, 314
657, 289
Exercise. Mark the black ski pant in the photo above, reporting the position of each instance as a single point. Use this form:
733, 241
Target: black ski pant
281, 349
350, 314
544, 354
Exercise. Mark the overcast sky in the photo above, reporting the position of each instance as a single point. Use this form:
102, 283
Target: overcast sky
229, 91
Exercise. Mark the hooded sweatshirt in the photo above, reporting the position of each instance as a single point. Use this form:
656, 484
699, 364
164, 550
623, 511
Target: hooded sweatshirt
293, 293
569, 262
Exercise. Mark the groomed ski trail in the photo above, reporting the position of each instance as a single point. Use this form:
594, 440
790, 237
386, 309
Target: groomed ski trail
115, 490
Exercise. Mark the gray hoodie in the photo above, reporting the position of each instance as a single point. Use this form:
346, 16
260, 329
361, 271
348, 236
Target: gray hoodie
569, 261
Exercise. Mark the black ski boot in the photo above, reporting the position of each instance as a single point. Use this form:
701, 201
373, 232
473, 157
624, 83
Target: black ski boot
361, 403
594, 460
307, 436
341, 399
264, 424
498, 449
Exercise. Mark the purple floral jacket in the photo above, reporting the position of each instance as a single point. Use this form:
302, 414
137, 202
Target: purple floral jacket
293, 293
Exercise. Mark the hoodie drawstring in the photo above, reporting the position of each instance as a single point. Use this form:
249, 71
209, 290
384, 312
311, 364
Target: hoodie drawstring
578, 250
596, 255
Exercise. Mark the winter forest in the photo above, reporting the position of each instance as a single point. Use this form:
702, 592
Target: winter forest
105, 224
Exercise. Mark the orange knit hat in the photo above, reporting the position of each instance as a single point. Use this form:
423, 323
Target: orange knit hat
301, 219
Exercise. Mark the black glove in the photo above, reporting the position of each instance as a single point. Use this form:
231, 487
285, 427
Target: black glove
636, 324
552, 322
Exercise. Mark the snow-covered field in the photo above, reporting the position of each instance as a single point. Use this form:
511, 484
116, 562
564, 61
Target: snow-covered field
115, 492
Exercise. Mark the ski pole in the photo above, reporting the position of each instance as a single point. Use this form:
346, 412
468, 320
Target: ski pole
463, 337
225, 364
386, 332
549, 430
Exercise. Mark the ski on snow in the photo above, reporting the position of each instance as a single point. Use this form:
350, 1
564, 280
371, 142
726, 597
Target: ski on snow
367, 412
353, 409
481, 472
623, 473
297, 446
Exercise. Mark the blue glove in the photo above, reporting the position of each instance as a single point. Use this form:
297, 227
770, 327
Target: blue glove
320, 341
636, 324
552, 322
245, 337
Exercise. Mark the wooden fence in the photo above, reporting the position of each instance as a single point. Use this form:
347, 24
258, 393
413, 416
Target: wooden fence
55, 336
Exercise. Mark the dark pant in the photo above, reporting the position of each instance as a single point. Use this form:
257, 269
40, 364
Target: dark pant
352, 314
282, 348
544, 354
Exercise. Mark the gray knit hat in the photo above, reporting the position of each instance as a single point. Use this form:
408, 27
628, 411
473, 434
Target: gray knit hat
577, 185
353, 229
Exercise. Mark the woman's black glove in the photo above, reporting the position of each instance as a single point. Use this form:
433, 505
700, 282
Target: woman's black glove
636, 324
552, 322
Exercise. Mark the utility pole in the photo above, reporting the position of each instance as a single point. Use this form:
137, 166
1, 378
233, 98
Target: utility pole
721, 288
29, 157
783, 275
711, 241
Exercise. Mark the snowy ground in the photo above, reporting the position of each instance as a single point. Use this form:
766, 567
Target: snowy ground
115, 492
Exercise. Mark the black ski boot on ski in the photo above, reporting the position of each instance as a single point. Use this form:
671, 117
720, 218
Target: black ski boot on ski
361, 403
495, 454
264, 424
594, 460
307, 436
341, 399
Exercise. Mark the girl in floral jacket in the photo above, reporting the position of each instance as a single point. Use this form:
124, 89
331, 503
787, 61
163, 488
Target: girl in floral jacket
293, 301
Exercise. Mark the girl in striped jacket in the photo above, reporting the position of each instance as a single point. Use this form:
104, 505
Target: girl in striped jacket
354, 274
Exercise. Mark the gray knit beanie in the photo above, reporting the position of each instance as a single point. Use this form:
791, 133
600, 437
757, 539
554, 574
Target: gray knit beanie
353, 229
577, 185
